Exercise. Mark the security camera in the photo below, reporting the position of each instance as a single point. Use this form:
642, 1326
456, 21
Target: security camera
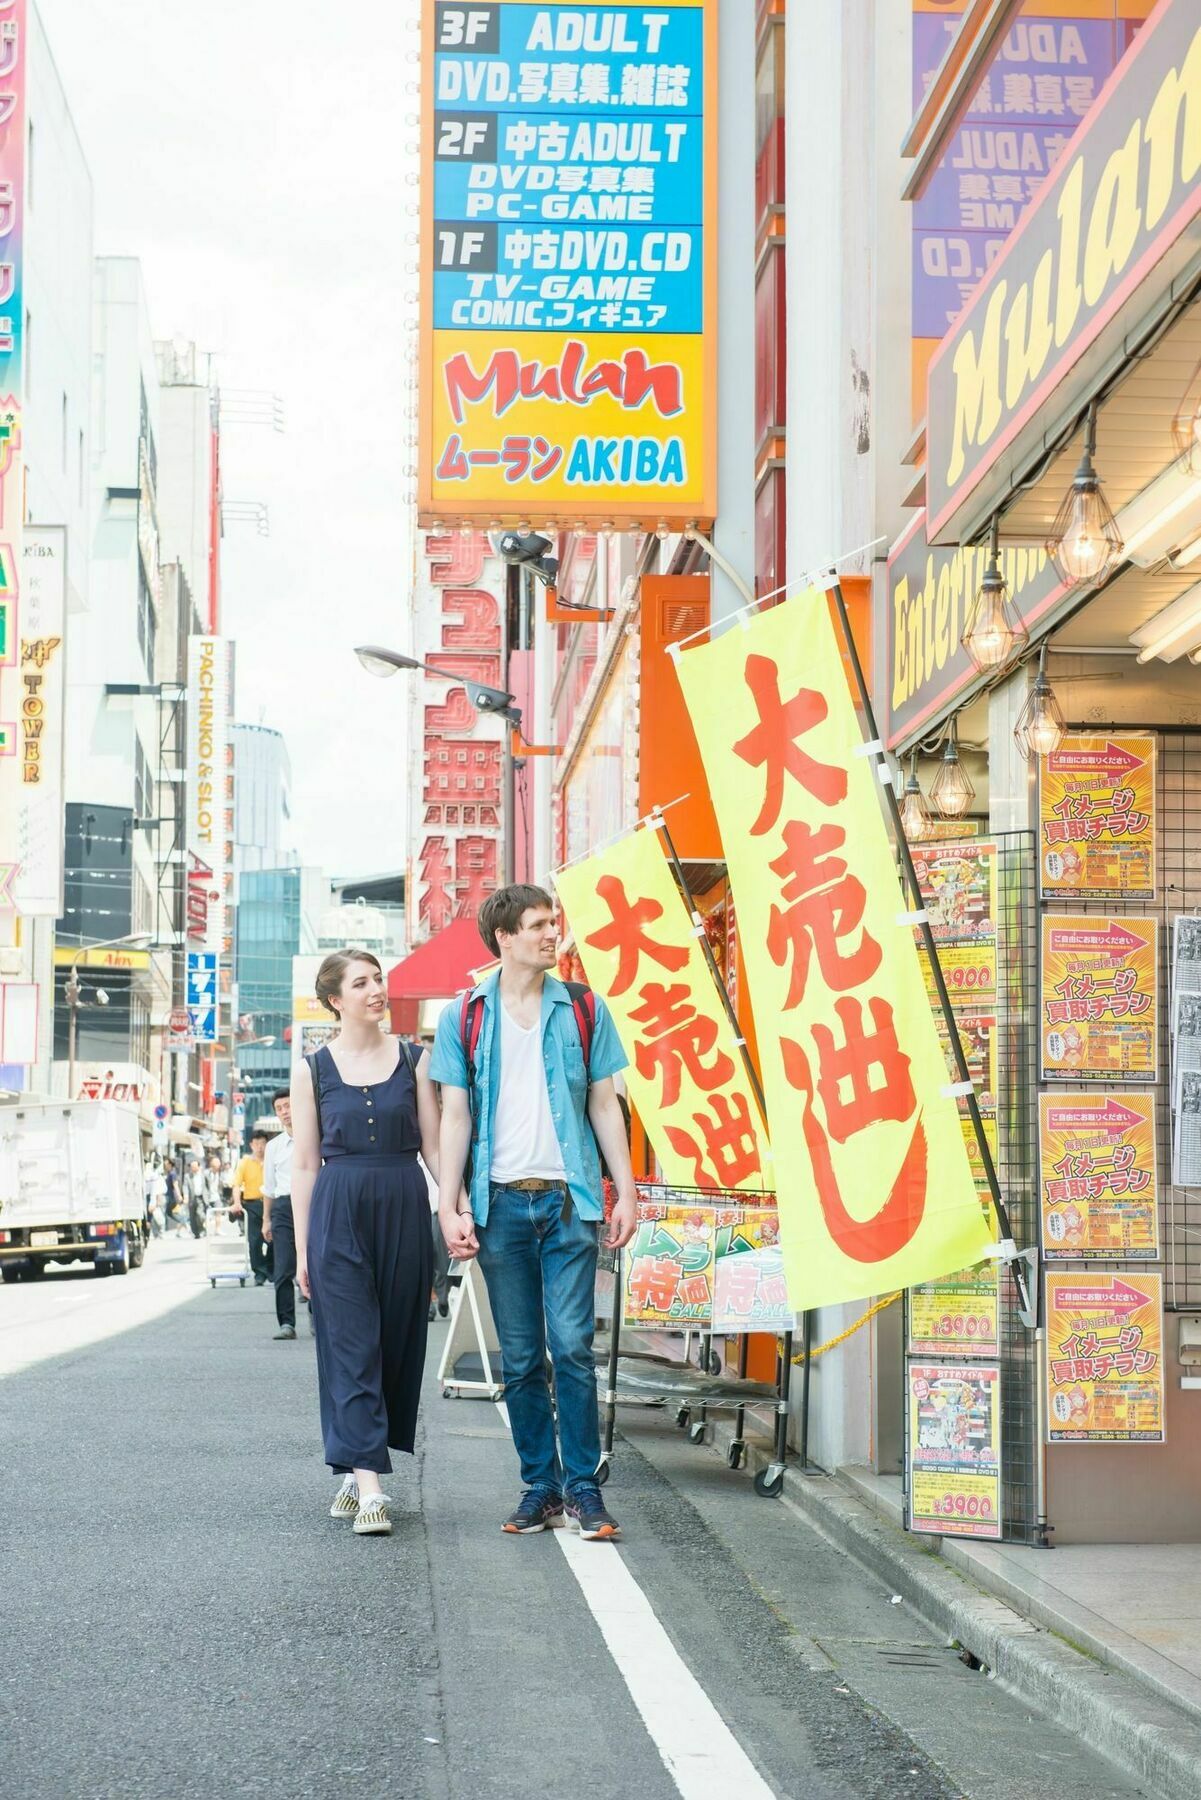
529, 550
102, 996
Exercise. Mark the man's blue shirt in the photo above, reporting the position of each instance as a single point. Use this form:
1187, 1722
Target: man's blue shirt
566, 1083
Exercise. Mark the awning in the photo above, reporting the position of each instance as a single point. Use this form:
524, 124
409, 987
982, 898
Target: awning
441, 966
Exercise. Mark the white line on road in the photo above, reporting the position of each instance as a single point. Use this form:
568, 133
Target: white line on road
699, 1751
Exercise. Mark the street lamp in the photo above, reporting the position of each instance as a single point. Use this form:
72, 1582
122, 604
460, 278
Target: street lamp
383, 663
137, 940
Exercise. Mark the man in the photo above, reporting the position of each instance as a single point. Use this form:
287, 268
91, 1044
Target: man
279, 1229
194, 1188
531, 1106
248, 1199
173, 1199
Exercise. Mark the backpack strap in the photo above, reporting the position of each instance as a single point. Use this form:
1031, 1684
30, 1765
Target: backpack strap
471, 1024
583, 1005
406, 1052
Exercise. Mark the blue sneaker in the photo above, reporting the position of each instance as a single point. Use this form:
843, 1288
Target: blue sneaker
586, 1513
538, 1511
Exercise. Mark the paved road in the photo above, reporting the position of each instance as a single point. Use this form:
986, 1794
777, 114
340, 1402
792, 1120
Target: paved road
182, 1619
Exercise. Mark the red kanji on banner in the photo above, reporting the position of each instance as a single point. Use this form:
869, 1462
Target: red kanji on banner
653, 1281
828, 905
676, 1038
628, 937
728, 1153
772, 745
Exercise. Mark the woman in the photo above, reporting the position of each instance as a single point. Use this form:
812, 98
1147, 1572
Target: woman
363, 1250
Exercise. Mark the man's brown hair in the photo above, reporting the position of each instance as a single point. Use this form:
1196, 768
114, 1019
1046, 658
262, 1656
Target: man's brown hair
502, 911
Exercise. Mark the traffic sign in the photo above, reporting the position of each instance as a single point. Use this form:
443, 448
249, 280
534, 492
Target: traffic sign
160, 1112
179, 1019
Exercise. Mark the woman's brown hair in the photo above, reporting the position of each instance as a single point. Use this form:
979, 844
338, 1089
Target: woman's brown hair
332, 974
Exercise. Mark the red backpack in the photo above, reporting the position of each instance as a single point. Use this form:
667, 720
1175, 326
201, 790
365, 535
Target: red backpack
471, 1023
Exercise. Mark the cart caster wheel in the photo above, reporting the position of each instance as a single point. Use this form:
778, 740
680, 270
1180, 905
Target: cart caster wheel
735, 1456
696, 1433
446, 1394
602, 1475
242, 1283
770, 1490
213, 1285
682, 1417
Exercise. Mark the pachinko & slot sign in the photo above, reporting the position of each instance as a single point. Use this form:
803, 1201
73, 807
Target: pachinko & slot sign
569, 263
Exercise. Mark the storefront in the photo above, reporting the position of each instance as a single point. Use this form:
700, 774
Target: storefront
1044, 631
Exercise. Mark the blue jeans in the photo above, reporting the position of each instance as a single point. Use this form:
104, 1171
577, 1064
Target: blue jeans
541, 1276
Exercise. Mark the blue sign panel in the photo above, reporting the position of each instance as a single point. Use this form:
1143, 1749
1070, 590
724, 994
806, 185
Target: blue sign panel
202, 994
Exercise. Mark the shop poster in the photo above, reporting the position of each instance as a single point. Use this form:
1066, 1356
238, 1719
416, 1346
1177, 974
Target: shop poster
955, 1449
978, 1036
958, 1315
1100, 989
1096, 805
669, 1264
1097, 1175
1105, 1380
958, 884
749, 1290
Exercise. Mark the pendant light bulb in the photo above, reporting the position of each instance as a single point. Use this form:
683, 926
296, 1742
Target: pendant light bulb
1084, 542
993, 632
1041, 725
1186, 425
915, 809
951, 790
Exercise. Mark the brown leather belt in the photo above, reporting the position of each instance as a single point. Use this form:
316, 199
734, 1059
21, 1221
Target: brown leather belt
533, 1185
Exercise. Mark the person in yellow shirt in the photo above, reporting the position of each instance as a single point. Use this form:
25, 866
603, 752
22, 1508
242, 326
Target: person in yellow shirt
248, 1199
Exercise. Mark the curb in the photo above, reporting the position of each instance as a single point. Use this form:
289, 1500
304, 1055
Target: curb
1142, 1735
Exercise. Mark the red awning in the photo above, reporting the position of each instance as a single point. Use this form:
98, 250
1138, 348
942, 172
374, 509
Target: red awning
440, 966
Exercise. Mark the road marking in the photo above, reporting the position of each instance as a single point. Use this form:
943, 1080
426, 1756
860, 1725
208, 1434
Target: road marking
698, 1749
55, 1317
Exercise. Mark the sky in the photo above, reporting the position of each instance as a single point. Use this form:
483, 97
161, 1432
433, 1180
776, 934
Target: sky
256, 156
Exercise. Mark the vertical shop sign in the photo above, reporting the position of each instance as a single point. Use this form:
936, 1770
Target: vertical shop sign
206, 844
686, 1078
456, 779
1097, 1170
31, 777
568, 297
1105, 1378
954, 1473
201, 995
1097, 819
872, 1177
959, 890
1100, 998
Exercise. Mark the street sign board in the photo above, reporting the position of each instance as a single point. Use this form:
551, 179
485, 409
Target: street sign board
202, 995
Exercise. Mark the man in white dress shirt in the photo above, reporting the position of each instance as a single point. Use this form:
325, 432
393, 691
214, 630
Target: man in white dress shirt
279, 1229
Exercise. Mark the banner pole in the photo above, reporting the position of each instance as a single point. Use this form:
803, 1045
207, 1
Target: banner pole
1008, 1246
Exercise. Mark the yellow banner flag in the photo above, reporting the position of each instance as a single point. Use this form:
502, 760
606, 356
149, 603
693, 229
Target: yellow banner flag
872, 1177
686, 1078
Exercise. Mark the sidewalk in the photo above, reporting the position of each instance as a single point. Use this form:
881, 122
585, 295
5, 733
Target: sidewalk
1106, 1639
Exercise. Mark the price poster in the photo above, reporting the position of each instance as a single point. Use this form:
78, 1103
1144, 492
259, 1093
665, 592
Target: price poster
1097, 819
978, 1035
749, 1292
955, 1449
958, 883
669, 1263
958, 1315
1097, 1173
1105, 1380
1100, 987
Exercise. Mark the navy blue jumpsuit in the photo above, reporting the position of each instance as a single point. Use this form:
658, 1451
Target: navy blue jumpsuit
370, 1266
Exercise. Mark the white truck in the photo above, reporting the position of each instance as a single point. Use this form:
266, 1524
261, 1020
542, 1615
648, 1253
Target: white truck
71, 1187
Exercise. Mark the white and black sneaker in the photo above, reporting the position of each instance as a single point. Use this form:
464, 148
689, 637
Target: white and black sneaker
372, 1518
346, 1500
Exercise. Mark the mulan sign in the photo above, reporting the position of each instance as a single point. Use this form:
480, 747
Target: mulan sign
1105, 239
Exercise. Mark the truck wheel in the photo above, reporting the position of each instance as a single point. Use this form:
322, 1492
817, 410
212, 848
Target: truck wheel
123, 1267
35, 1268
9, 1274
102, 1268
137, 1254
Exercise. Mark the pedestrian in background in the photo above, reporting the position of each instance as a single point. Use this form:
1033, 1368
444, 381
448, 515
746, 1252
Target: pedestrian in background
194, 1193
248, 1199
156, 1188
364, 1256
526, 1069
173, 1219
279, 1228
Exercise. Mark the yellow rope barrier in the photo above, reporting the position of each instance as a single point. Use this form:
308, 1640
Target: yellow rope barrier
832, 1343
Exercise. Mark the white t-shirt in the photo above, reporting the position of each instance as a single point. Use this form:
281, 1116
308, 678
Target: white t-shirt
277, 1167
525, 1143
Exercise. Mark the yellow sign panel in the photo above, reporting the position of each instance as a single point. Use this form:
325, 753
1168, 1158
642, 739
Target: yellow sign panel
955, 1449
669, 1265
1105, 1380
872, 1177
114, 958
686, 1078
1097, 1171
1097, 819
957, 1315
959, 891
1100, 998
569, 281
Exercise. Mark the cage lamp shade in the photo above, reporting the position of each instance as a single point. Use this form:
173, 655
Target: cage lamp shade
993, 632
1040, 725
1186, 424
915, 809
951, 790
1084, 543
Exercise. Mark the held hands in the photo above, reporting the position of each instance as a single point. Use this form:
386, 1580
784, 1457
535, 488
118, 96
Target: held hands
623, 1220
458, 1234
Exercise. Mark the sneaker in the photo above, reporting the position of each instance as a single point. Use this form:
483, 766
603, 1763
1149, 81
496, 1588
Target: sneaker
346, 1500
285, 1331
372, 1519
443, 1309
586, 1514
538, 1511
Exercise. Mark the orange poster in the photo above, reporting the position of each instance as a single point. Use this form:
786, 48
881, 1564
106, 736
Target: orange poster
1097, 1175
1100, 988
1105, 1358
959, 891
1097, 819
